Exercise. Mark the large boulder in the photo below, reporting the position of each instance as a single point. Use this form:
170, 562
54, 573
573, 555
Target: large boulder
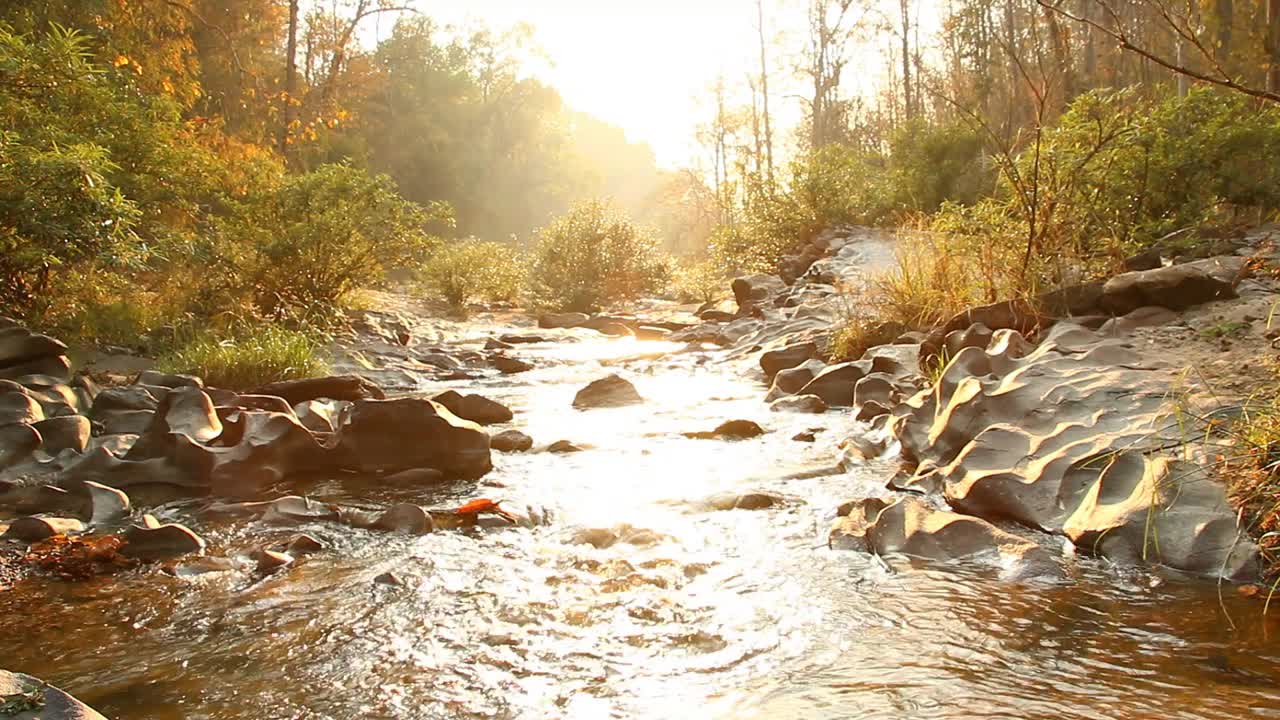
476, 408
610, 391
1176, 287
31, 699
407, 433
792, 380
334, 387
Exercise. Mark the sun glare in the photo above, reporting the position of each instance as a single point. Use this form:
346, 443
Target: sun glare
644, 67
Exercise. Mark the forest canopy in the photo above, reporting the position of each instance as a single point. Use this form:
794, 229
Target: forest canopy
176, 167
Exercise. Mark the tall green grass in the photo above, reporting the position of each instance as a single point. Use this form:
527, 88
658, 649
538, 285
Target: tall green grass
267, 354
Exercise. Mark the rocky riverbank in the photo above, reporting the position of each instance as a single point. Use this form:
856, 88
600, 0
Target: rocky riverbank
1047, 432
1094, 415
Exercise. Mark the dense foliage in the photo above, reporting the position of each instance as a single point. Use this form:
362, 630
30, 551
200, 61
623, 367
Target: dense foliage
592, 256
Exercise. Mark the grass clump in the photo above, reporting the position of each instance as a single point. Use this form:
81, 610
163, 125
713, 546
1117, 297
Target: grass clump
268, 354
1252, 472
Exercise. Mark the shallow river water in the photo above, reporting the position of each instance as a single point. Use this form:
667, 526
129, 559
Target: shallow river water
724, 614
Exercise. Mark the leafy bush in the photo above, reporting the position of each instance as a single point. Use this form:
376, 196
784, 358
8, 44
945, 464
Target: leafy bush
267, 354
470, 269
1114, 175
932, 164
58, 205
299, 248
592, 256
699, 281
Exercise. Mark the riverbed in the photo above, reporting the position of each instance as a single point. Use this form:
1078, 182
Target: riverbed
682, 611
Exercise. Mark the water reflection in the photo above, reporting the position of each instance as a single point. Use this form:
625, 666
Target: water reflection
722, 615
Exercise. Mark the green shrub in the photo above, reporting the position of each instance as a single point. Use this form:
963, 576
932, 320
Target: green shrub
268, 354
300, 248
931, 164
699, 281
59, 207
592, 256
467, 270
834, 186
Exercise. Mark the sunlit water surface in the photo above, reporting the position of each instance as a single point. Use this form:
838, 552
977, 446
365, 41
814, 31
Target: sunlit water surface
728, 614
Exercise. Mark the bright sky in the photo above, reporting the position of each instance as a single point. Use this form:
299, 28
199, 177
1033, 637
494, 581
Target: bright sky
643, 66
648, 66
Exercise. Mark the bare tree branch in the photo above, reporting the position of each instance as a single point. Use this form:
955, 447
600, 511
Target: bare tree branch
1118, 34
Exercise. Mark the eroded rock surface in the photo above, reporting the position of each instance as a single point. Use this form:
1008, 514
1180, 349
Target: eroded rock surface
1079, 437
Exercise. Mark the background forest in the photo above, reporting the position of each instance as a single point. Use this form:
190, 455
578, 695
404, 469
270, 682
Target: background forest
173, 171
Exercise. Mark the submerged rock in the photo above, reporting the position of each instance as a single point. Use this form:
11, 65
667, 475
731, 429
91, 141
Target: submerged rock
417, 476
405, 518
269, 561
611, 391
730, 430
742, 501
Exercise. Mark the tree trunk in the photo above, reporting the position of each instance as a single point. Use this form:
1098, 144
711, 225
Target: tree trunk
1225, 12
907, 107
290, 76
1273, 45
1090, 46
764, 93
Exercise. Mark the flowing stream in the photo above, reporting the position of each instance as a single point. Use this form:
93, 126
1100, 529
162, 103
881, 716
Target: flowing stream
696, 613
